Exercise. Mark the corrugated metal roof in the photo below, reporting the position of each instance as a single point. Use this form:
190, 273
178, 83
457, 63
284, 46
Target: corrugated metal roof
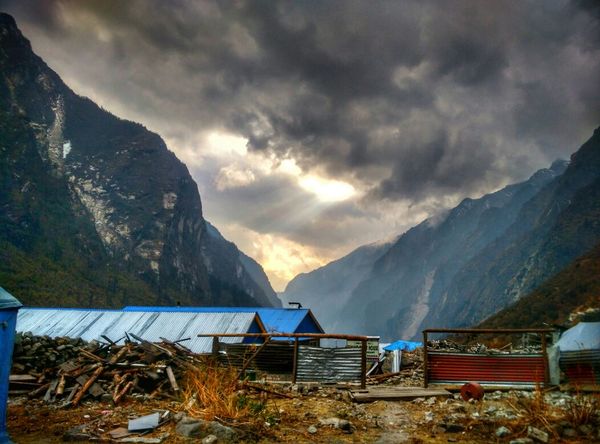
584, 336
275, 320
149, 325
7, 300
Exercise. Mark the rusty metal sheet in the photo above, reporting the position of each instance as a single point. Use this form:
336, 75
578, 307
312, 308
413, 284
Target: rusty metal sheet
581, 367
505, 369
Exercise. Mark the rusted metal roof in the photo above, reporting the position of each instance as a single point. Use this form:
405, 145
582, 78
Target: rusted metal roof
151, 326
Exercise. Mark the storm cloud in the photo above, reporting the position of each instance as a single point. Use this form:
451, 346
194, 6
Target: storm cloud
415, 104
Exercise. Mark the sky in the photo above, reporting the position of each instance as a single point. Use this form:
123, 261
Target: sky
314, 127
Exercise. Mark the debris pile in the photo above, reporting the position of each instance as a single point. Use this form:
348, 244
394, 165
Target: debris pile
445, 345
66, 371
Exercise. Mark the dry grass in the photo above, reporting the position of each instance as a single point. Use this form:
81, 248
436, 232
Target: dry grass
211, 391
583, 409
536, 411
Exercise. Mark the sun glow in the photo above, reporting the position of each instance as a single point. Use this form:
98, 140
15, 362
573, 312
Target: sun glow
327, 190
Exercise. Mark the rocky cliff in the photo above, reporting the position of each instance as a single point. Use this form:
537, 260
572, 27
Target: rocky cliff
99, 201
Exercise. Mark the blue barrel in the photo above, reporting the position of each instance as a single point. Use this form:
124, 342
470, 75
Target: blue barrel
9, 307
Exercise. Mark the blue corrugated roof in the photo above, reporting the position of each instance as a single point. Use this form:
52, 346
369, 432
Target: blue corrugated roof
275, 320
7, 300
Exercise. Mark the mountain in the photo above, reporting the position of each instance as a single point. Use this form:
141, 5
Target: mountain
570, 295
331, 285
480, 257
95, 210
394, 290
252, 268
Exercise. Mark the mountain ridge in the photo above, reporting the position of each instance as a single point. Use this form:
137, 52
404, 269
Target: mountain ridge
129, 200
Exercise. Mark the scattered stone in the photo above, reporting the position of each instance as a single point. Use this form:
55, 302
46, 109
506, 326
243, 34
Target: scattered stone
210, 439
430, 401
503, 431
418, 400
537, 434
521, 441
312, 429
428, 416
189, 427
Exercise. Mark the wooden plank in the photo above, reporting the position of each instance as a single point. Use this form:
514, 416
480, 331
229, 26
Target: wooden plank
22, 378
87, 385
396, 394
172, 379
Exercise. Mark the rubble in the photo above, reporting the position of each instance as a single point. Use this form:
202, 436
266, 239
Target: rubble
295, 412
67, 371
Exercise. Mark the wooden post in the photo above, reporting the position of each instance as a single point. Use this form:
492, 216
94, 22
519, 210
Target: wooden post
425, 375
545, 355
363, 364
215, 347
295, 367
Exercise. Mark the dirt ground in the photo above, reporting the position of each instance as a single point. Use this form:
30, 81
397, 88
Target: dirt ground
289, 420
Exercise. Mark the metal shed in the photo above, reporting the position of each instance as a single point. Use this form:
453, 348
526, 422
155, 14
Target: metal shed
276, 320
580, 353
149, 325
8, 316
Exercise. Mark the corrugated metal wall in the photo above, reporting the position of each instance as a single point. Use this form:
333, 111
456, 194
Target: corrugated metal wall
329, 364
456, 368
581, 367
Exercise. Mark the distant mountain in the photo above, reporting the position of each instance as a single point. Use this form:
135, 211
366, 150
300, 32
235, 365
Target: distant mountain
95, 210
253, 269
559, 224
478, 258
572, 294
328, 288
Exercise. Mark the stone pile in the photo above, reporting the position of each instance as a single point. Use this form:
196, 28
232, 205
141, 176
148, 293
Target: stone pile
34, 354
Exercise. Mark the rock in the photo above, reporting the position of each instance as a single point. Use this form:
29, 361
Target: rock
338, 423
418, 400
210, 439
428, 416
345, 425
190, 428
224, 433
312, 429
521, 441
198, 428
502, 432
537, 434
430, 401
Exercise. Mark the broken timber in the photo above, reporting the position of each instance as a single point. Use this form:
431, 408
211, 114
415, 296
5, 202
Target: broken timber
395, 394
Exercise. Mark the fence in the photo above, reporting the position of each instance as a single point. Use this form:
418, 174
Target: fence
308, 363
493, 369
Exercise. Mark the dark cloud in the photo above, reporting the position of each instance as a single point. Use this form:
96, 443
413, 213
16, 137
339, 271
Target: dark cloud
409, 101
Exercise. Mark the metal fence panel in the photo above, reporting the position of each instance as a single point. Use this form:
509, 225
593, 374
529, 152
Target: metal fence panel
511, 369
329, 364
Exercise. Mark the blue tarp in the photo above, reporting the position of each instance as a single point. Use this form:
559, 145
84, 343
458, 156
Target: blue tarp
403, 345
